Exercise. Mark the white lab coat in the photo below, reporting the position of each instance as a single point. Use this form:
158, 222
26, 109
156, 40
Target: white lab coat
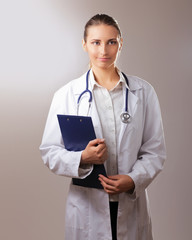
141, 154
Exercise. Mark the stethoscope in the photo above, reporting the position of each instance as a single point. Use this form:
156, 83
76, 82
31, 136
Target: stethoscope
125, 117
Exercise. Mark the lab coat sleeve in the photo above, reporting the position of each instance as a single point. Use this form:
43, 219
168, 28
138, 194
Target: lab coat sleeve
54, 155
152, 153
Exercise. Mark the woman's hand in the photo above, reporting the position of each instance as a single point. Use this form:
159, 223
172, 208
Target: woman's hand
95, 152
117, 184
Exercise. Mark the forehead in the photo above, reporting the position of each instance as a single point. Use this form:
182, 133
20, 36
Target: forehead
102, 31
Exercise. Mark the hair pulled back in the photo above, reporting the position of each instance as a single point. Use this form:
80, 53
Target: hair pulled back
99, 19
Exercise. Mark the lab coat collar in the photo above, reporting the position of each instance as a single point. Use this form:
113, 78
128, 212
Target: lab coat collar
133, 83
93, 82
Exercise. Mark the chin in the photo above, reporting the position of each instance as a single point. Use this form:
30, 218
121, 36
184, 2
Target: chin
104, 65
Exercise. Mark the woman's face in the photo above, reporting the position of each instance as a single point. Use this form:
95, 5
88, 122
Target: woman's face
102, 45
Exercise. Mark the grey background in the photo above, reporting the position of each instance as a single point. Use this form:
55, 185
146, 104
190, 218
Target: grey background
40, 50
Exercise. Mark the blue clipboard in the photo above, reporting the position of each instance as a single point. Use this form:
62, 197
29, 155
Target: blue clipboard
76, 132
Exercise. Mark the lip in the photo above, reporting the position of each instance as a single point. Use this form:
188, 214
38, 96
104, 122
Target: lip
103, 59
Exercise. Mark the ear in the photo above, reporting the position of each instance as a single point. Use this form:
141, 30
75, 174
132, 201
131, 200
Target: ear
84, 45
121, 44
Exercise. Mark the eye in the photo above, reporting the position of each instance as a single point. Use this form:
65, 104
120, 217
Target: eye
95, 42
112, 42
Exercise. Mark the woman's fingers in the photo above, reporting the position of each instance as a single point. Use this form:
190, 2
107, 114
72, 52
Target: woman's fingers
117, 183
95, 152
96, 142
108, 184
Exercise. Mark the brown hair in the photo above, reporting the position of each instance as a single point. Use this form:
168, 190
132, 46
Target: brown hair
101, 19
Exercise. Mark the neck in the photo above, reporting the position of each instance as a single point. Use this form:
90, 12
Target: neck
107, 78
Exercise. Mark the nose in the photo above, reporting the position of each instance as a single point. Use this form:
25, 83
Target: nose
103, 49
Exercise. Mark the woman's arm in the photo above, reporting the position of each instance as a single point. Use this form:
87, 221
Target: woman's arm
54, 155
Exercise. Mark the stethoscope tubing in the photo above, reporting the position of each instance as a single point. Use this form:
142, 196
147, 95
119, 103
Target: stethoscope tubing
126, 94
125, 117
86, 90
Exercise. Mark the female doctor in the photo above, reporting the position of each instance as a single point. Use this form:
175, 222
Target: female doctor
130, 143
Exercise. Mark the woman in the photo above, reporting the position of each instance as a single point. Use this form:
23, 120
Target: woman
132, 151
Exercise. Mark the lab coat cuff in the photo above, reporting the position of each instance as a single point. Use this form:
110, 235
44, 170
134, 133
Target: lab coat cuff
135, 193
85, 169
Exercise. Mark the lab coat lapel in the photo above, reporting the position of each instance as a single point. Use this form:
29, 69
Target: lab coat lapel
84, 105
132, 106
93, 110
96, 120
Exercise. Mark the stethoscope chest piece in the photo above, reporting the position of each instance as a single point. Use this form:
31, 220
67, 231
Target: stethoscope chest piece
125, 117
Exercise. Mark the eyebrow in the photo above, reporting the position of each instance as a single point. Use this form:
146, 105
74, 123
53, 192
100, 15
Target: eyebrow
111, 39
